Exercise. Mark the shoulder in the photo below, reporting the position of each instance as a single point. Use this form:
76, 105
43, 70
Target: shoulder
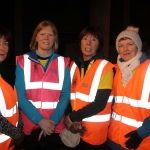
57, 56
20, 57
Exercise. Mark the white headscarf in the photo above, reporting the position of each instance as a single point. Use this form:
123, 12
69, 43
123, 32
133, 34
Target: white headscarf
127, 67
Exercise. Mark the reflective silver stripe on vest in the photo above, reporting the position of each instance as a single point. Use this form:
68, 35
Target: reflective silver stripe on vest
3, 138
96, 80
110, 99
98, 118
44, 105
72, 71
126, 120
143, 102
94, 86
39, 84
4, 111
146, 88
73, 96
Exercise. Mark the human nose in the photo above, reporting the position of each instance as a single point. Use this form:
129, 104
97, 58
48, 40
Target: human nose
125, 48
46, 36
1, 46
89, 41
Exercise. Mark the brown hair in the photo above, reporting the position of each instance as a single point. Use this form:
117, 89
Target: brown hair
96, 32
33, 44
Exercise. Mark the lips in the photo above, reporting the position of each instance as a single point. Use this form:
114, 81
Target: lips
46, 43
88, 49
127, 54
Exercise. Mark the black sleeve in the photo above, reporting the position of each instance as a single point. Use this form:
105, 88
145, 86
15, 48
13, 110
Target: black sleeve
20, 122
68, 109
93, 108
8, 129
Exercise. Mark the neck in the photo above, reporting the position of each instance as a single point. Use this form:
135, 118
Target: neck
43, 54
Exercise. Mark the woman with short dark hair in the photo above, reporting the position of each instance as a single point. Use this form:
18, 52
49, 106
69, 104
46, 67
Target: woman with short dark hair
91, 84
11, 132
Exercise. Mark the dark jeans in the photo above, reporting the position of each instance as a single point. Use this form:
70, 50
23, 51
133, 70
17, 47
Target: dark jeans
52, 142
86, 146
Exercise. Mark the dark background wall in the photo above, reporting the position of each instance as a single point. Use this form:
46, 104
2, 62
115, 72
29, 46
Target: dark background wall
70, 17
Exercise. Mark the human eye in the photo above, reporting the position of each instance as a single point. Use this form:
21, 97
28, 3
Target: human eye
5, 43
120, 46
84, 38
130, 44
42, 34
94, 39
51, 35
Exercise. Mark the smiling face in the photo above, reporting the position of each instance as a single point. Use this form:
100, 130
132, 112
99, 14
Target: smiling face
127, 49
3, 49
89, 46
45, 39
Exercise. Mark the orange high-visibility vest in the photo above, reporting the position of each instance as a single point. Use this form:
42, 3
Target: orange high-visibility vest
83, 92
9, 110
43, 89
132, 105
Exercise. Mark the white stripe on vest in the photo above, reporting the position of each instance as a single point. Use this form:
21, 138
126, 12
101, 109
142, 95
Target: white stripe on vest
142, 103
100, 118
5, 113
44, 105
126, 120
94, 85
92, 94
3, 138
40, 84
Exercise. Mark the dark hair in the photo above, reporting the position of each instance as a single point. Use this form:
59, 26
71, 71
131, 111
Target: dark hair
33, 44
4, 32
96, 32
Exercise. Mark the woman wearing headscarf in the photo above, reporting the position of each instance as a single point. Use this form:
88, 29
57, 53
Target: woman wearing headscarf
130, 122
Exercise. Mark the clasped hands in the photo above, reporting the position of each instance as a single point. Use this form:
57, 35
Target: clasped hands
74, 127
47, 127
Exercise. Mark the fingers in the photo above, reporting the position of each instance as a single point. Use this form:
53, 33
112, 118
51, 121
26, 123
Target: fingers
47, 125
49, 130
67, 122
52, 122
40, 135
129, 134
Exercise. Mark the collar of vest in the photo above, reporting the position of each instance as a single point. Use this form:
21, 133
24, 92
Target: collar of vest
32, 55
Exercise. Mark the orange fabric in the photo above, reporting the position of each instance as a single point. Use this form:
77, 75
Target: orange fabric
133, 90
10, 97
96, 133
